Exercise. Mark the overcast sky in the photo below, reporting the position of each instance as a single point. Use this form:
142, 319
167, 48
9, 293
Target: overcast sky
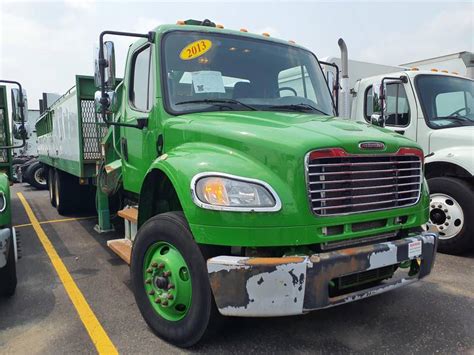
44, 44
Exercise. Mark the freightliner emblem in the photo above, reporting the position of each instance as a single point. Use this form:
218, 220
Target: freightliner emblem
372, 145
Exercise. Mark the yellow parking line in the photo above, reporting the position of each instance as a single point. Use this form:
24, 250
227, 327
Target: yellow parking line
55, 221
97, 334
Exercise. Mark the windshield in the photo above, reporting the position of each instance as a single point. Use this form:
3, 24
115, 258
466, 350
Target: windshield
446, 101
211, 72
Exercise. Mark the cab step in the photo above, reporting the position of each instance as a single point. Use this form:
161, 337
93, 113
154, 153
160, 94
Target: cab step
121, 247
130, 218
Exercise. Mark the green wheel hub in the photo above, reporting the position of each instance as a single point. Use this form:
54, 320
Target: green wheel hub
167, 281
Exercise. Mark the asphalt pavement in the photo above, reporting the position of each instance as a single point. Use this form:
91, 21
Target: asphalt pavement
435, 315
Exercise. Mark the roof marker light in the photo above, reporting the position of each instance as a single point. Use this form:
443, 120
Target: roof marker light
291, 41
243, 30
266, 34
434, 70
414, 69
219, 26
444, 71
180, 22
455, 73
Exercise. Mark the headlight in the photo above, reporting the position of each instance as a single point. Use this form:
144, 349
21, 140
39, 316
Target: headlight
3, 201
233, 193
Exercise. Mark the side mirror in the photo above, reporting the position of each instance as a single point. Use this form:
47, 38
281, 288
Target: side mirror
377, 120
110, 102
378, 104
20, 131
109, 61
19, 105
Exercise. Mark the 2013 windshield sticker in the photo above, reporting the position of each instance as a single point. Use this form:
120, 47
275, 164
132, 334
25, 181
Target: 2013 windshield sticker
195, 49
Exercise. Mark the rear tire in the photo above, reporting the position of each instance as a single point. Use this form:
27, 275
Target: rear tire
170, 231
8, 274
36, 176
65, 193
452, 211
51, 185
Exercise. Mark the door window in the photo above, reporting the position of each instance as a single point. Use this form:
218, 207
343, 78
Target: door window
398, 109
141, 84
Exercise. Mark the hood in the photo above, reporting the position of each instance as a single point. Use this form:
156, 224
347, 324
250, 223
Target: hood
288, 133
451, 137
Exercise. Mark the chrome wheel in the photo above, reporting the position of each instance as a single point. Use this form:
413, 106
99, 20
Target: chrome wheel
39, 177
446, 214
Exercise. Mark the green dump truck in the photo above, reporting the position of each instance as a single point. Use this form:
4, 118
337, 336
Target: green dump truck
241, 195
9, 250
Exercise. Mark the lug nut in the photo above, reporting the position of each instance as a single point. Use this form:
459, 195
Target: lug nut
170, 296
433, 206
445, 210
161, 266
151, 292
164, 303
149, 270
448, 217
441, 227
439, 206
167, 273
446, 224
158, 300
148, 281
155, 264
170, 286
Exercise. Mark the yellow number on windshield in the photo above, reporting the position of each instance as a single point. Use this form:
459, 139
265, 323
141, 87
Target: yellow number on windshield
195, 49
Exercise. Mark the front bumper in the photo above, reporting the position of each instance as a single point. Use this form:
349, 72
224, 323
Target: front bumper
266, 287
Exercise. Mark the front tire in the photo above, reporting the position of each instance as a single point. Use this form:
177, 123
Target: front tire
452, 211
164, 253
8, 274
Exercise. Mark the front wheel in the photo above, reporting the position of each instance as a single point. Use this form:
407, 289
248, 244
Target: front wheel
170, 280
452, 211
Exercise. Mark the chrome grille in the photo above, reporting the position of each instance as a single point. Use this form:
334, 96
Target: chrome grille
356, 183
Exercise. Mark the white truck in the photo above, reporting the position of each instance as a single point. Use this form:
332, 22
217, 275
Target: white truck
26, 167
434, 108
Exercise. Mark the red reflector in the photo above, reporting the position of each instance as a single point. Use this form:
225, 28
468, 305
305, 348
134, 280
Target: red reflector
411, 151
327, 153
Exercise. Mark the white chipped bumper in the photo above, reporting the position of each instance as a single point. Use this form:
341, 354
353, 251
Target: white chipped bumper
266, 287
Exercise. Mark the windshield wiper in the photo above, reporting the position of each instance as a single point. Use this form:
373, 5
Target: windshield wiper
217, 101
301, 107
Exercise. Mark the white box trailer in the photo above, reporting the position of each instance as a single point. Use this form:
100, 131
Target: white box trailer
461, 63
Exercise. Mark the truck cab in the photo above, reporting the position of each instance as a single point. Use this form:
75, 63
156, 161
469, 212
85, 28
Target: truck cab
435, 109
9, 249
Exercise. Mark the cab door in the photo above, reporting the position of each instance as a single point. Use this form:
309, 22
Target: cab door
140, 92
401, 108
